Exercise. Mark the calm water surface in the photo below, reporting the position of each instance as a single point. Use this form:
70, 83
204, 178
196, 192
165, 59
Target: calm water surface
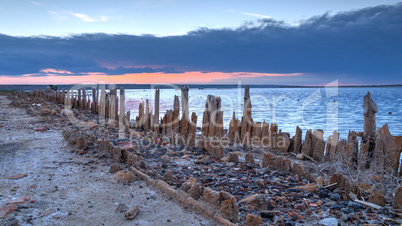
328, 109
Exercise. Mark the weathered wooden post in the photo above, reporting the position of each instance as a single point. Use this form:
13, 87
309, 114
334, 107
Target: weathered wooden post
156, 116
176, 112
332, 142
84, 100
79, 99
122, 112
140, 121
102, 104
319, 145
369, 109
147, 116
247, 104
184, 101
369, 135
192, 130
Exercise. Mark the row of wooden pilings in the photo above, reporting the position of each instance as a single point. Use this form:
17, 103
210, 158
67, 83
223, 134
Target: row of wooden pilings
376, 146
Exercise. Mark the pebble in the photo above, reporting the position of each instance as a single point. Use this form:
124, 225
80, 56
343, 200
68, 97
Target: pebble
331, 221
335, 197
355, 206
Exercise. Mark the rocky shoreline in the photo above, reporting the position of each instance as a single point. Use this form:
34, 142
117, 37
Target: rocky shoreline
243, 185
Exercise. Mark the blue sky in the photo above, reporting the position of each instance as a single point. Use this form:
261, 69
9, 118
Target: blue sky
258, 42
157, 17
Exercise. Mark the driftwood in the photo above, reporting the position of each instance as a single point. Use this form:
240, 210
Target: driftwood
310, 158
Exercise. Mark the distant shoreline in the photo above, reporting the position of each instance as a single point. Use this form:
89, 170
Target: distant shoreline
192, 86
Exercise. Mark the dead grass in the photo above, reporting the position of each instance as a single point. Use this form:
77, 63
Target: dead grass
379, 172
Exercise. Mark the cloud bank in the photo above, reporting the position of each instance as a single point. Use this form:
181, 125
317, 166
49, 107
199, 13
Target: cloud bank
355, 46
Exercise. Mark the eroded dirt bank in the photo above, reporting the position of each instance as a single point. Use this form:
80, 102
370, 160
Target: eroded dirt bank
58, 187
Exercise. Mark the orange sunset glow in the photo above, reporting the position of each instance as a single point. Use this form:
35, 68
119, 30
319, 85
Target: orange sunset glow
54, 76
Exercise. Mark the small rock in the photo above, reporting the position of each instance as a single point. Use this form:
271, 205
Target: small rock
131, 213
17, 176
329, 204
330, 221
353, 196
355, 205
335, 197
40, 129
300, 156
81, 152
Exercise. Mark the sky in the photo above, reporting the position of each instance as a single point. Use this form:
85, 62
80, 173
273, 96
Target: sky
289, 42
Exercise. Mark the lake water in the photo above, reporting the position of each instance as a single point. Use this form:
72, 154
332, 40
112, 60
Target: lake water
329, 109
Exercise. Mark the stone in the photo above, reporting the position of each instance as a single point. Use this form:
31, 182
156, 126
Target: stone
259, 201
195, 191
17, 176
377, 195
233, 157
252, 220
300, 156
131, 213
353, 196
335, 197
397, 204
125, 176
211, 196
330, 221
114, 168
355, 206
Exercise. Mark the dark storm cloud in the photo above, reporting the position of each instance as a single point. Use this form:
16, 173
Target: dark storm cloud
364, 43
